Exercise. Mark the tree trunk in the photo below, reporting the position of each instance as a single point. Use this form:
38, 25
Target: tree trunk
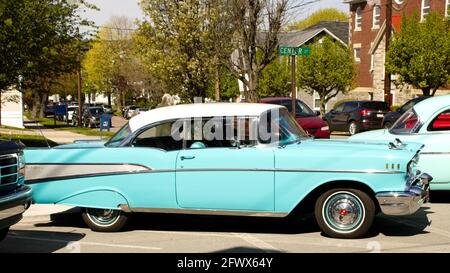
434, 91
217, 84
252, 90
426, 91
39, 104
323, 104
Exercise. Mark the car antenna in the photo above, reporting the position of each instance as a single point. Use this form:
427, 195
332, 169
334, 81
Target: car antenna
42, 134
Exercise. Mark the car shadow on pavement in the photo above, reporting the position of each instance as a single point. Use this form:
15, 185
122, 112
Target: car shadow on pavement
402, 226
28, 241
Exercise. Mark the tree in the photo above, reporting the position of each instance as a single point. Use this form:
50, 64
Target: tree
420, 53
275, 79
39, 42
328, 14
173, 45
257, 24
328, 70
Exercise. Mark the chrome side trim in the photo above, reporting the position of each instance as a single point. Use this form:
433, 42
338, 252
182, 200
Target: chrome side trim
435, 153
285, 170
126, 208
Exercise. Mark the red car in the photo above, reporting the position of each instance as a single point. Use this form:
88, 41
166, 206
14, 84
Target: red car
306, 118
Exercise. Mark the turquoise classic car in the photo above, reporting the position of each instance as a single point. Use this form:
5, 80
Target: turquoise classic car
228, 159
428, 122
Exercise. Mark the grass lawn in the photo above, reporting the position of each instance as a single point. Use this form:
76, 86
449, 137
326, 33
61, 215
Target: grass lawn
29, 140
50, 123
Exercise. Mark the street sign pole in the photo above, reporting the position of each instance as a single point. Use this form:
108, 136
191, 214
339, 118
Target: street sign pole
293, 51
293, 86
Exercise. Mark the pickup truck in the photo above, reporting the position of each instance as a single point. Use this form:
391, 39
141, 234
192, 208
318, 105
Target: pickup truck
15, 196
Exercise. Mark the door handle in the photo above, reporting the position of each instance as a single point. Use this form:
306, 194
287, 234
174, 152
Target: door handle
183, 157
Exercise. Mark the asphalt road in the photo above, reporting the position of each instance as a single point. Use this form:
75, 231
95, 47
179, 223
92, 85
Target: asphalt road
426, 231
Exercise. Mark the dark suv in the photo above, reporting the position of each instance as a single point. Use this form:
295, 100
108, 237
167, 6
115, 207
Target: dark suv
15, 197
391, 117
357, 116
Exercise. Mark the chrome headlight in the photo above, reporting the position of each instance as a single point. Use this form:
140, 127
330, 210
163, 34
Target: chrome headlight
21, 164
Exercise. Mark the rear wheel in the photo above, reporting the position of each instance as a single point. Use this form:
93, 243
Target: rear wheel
345, 213
353, 128
3, 233
105, 220
387, 125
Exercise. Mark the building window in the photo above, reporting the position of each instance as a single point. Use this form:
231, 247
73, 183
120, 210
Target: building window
447, 8
376, 17
357, 52
317, 102
425, 9
358, 19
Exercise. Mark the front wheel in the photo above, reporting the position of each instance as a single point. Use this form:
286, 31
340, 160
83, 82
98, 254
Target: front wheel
3, 233
345, 213
353, 128
105, 220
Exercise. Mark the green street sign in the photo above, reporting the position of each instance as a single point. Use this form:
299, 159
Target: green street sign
289, 50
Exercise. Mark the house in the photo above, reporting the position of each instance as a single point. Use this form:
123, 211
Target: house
367, 28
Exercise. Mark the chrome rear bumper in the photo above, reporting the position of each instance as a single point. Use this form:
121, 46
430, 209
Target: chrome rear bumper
406, 202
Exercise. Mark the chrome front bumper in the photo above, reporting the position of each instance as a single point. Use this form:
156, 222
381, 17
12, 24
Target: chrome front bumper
408, 201
13, 205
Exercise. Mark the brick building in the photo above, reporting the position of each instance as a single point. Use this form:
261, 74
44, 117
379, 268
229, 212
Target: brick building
367, 27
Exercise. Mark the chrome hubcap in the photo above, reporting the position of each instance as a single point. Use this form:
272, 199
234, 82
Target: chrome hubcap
352, 128
343, 212
103, 217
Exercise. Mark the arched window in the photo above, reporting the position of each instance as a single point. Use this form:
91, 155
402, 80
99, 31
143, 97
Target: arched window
358, 19
376, 17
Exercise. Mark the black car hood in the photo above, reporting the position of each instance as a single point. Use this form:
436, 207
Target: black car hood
9, 147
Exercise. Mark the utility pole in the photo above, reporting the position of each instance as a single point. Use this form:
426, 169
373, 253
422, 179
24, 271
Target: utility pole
79, 91
387, 76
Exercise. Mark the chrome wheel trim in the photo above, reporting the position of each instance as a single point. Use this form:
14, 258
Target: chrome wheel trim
343, 212
352, 128
103, 217
387, 125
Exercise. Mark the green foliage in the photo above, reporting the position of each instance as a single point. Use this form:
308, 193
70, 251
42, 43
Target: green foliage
328, 71
39, 41
328, 14
229, 87
420, 53
275, 79
174, 45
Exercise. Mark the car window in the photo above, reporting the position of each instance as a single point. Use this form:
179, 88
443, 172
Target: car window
376, 105
159, 136
279, 128
350, 106
122, 134
340, 107
301, 109
441, 122
221, 132
408, 123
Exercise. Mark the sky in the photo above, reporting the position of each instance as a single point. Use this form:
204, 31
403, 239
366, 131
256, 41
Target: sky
131, 9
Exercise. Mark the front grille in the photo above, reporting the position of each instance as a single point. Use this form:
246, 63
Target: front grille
8, 169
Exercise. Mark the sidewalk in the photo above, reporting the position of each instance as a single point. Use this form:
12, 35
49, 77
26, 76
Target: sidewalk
58, 136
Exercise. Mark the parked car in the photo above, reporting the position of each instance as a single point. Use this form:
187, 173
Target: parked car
49, 110
427, 122
75, 115
15, 197
91, 116
306, 118
230, 159
391, 117
357, 116
70, 110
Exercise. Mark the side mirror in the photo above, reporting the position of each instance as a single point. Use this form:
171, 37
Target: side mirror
197, 145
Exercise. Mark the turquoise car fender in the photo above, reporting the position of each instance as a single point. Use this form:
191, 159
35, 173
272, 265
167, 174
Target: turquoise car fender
106, 199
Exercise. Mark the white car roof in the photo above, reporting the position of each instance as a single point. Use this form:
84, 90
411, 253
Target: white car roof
199, 110
428, 107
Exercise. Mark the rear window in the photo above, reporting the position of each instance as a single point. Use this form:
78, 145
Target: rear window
376, 105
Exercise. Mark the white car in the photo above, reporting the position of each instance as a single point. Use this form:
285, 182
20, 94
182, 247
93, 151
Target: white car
428, 122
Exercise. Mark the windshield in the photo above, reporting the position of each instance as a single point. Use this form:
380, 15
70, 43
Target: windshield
96, 111
117, 139
408, 123
301, 109
376, 105
279, 127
